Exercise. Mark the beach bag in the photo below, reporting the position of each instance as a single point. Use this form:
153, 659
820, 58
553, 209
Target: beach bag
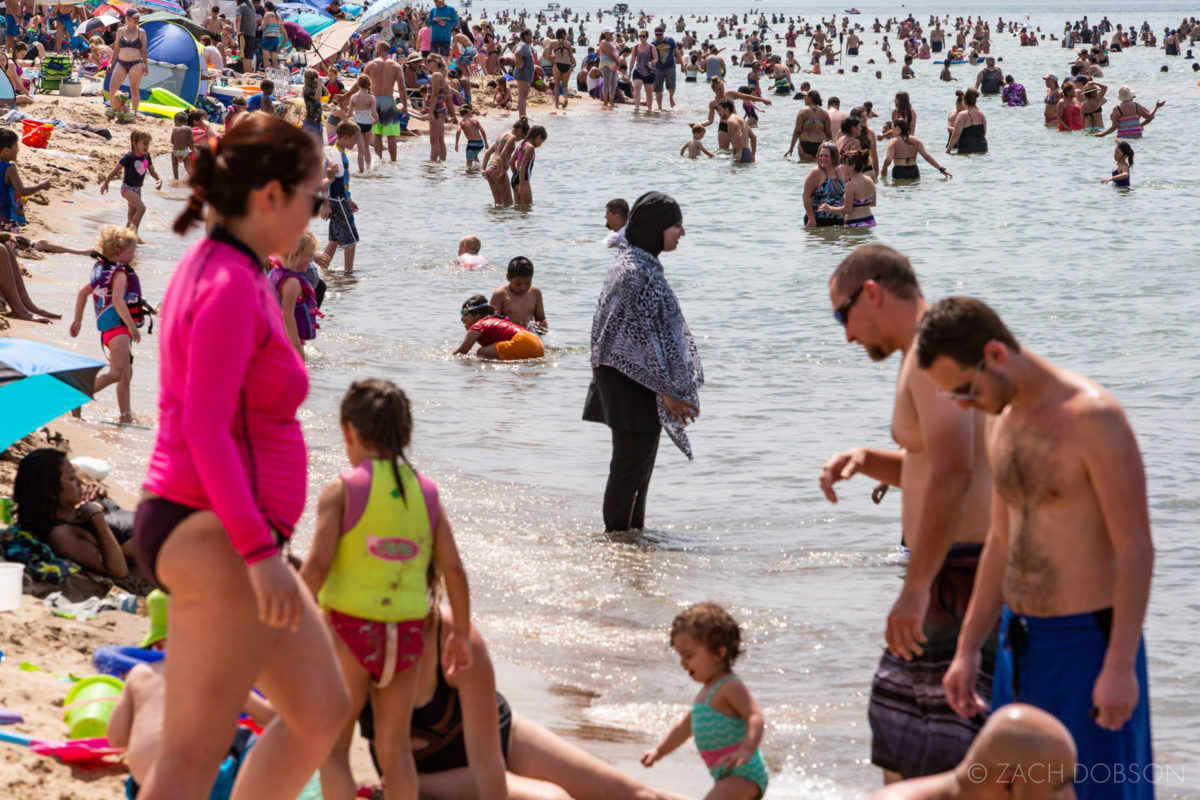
36, 134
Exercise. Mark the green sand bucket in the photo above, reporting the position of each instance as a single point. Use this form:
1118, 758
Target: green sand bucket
89, 704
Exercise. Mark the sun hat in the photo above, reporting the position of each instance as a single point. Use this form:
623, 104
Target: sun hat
156, 604
605, 30
1124, 94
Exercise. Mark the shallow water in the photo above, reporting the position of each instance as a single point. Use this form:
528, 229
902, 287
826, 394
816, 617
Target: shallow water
1088, 276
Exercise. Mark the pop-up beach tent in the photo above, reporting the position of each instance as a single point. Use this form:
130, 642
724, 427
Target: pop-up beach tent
176, 62
7, 95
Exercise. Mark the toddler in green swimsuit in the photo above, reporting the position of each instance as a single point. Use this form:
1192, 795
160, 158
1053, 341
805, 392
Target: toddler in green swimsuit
725, 720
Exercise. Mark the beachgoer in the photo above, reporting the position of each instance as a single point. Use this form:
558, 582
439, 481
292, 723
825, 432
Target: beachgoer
695, 146
616, 217
1013, 93
519, 300
646, 372
1068, 115
1123, 154
858, 196
313, 115
742, 140
53, 505
470, 127
116, 294
386, 78
990, 78
822, 188
665, 71
903, 150
297, 295
13, 190
264, 100
360, 104
523, 73
904, 111
1128, 118
945, 499
132, 62
136, 163
1021, 751
1091, 104
440, 107
468, 254
970, 127
442, 20
641, 71
814, 125
724, 720
339, 208
273, 35
246, 30
382, 549
497, 337
222, 496
1072, 616
524, 153
496, 160
608, 70
466, 746
561, 54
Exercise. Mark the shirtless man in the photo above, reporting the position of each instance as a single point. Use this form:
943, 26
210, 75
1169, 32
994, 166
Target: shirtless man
943, 473
813, 126
720, 93
836, 115
817, 42
1068, 555
852, 44
385, 80
742, 140
1021, 752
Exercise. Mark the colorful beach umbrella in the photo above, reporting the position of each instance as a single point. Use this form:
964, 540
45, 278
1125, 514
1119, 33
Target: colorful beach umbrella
380, 10
113, 8
160, 5
38, 383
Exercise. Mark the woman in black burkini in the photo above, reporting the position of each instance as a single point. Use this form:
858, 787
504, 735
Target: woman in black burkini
645, 369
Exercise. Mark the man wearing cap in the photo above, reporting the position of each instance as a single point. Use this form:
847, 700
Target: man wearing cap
664, 68
442, 21
385, 77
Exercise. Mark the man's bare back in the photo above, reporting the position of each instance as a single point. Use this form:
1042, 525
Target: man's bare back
385, 76
524, 309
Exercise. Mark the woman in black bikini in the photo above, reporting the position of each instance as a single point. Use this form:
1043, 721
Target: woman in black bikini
465, 714
561, 54
718, 87
131, 60
903, 150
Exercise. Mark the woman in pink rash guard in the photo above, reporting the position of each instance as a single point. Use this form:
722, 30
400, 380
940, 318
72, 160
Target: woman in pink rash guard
227, 478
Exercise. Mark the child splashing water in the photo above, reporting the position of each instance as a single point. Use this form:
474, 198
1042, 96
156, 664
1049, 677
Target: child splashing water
497, 337
725, 720
116, 296
136, 164
381, 539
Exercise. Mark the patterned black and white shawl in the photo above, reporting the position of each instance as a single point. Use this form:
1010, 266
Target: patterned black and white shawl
640, 331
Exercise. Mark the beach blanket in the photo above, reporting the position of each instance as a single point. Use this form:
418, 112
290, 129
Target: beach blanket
40, 562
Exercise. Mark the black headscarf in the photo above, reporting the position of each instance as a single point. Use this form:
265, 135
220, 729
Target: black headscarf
652, 214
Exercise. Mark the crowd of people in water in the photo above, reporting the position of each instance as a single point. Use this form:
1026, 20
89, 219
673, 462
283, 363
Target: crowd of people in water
1030, 548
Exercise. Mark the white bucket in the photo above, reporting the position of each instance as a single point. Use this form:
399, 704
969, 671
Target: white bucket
10, 585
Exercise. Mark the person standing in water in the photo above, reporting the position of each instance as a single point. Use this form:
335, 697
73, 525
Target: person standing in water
646, 371
945, 479
742, 140
1069, 557
813, 126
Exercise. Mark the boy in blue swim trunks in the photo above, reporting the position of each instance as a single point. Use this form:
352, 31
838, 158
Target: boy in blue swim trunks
1068, 555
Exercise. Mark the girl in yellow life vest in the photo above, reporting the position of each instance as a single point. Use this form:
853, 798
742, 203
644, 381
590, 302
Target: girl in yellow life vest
382, 538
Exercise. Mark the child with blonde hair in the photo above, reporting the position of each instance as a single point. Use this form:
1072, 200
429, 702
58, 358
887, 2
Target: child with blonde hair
382, 546
116, 294
297, 294
468, 254
136, 164
725, 720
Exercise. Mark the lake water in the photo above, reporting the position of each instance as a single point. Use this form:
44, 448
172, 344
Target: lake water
1093, 278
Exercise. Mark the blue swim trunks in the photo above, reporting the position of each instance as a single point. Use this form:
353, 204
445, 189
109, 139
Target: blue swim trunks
1053, 663
11, 28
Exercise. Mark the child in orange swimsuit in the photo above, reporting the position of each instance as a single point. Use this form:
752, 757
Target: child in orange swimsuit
497, 337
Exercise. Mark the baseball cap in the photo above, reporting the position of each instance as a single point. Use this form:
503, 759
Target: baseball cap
1050, 77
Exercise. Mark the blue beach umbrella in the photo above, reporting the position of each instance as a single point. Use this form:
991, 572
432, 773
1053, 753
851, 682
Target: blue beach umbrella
39, 382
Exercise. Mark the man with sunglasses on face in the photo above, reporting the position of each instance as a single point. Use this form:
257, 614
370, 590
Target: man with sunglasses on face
946, 486
665, 70
1069, 557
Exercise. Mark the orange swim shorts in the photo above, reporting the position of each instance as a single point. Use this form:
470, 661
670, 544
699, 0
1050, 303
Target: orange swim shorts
523, 345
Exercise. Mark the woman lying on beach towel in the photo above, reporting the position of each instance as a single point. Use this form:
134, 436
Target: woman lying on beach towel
465, 714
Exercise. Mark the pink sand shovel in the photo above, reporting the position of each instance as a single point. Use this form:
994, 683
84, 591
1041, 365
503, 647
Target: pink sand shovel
76, 751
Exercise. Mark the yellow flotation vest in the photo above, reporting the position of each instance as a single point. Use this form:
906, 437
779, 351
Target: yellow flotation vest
379, 571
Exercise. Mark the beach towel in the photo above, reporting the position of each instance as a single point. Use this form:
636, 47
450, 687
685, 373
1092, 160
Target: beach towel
40, 562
